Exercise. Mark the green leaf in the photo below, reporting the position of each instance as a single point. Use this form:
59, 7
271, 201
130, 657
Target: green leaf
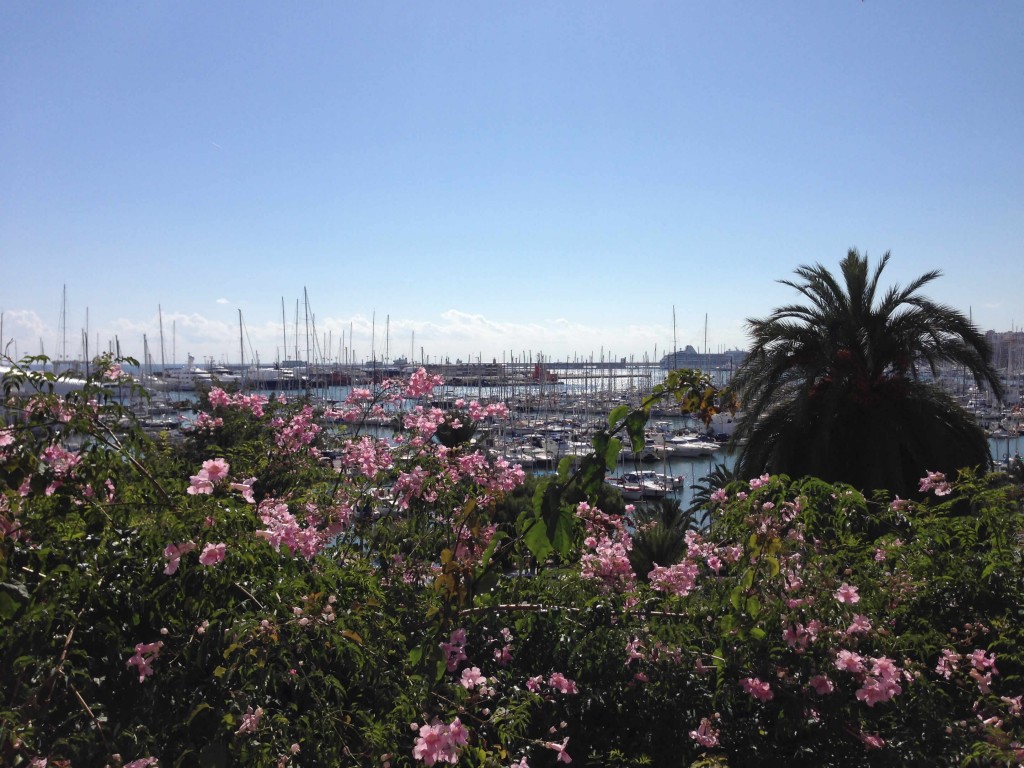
618, 414
611, 456
8, 606
535, 536
753, 606
735, 597
636, 423
196, 711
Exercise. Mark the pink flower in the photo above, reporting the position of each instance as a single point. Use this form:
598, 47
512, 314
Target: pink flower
705, 735
948, 663
821, 684
144, 762
250, 720
198, 484
980, 660
212, 554
860, 625
455, 649
561, 683
847, 594
440, 743
245, 488
757, 688
876, 690
936, 482
216, 470
848, 661
145, 655
872, 741
173, 553
471, 678
757, 482
563, 756
983, 680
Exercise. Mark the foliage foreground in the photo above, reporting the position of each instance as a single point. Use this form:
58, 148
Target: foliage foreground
235, 599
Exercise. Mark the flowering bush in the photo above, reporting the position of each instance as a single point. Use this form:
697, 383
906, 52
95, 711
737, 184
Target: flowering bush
238, 599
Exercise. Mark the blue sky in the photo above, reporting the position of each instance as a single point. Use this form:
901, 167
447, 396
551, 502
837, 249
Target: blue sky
488, 179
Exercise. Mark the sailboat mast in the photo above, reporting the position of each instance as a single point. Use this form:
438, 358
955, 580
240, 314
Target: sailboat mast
160, 314
675, 340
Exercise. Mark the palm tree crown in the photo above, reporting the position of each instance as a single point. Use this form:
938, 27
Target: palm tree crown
833, 388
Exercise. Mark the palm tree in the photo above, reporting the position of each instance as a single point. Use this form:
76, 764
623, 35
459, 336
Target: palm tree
660, 538
719, 477
833, 389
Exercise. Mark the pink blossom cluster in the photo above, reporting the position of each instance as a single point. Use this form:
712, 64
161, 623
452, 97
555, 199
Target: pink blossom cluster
59, 410
879, 681
556, 681
440, 743
705, 734
7, 439
282, 528
503, 655
423, 423
421, 383
757, 688
478, 412
935, 482
207, 423
61, 464
108, 370
983, 667
678, 579
251, 403
607, 543
214, 471
143, 658
367, 456
505, 477
410, 485
299, 432
799, 636
455, 649
759, 482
